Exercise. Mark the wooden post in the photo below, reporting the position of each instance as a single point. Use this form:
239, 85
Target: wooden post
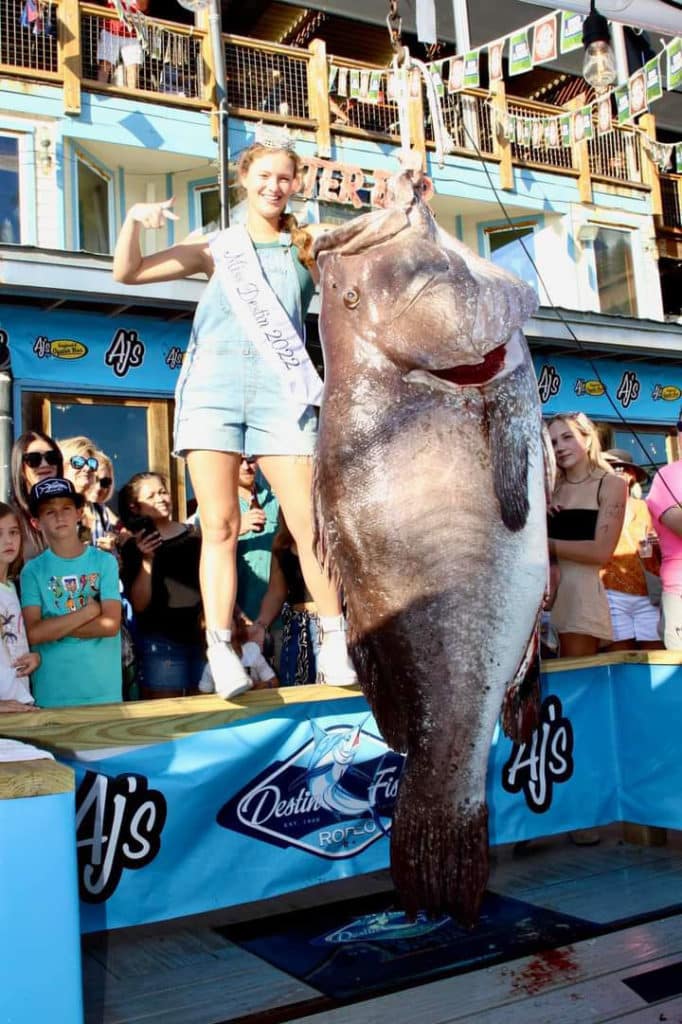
318, 96
208, 71
501, 145
581, 156
69, 53
650, 172
415, 110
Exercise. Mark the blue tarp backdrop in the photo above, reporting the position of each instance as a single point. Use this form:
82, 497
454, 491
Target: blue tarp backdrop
84, 351
275, 803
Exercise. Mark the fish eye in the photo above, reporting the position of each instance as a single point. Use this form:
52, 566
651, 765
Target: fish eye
351, 298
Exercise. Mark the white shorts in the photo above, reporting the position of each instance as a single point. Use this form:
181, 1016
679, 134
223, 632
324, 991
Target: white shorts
110, 47
632, 617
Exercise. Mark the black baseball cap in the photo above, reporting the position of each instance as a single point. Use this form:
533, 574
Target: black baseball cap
53, 487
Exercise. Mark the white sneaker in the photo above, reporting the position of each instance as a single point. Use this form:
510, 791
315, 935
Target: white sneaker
206, 684
334, 667
229, 676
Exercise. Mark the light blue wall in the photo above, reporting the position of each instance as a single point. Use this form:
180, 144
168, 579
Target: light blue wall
40, 966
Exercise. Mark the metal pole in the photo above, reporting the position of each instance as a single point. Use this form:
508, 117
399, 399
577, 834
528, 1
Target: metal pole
214, 28
6, 436
462, 33
620, 53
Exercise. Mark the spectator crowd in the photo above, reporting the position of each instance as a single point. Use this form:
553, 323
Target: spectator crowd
102, 605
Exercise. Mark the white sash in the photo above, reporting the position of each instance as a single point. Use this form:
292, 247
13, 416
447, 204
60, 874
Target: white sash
262, 316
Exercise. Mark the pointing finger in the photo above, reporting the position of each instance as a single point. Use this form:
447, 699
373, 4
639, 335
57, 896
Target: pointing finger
169, 215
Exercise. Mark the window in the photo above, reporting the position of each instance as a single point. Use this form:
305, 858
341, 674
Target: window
134, 433
209, 206
615, 275
10, 223
656, 442
506, 249
93, 209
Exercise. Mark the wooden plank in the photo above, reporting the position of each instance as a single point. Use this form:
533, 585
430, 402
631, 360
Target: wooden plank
40, 777
670, 1011
69, 52
101, 726
493, 993
230, 983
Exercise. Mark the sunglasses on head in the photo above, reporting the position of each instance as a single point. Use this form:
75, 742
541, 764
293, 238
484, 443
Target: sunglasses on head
79, 461
105, 481
34, 459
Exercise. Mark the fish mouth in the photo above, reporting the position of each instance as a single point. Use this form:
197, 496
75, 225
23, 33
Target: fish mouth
476, 373
498, 362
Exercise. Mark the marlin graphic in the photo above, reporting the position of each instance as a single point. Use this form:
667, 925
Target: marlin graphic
384, 927
331, 757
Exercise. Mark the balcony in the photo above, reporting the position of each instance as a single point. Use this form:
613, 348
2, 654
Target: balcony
291, 85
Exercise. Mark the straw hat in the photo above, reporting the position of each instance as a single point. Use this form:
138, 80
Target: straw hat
622, 459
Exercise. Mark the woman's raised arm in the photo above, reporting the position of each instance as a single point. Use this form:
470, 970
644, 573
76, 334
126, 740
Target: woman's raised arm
183, 260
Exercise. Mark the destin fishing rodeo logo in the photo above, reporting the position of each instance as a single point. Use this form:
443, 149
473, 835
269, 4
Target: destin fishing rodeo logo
333, 797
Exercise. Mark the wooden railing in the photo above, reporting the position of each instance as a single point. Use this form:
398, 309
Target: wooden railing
307, 89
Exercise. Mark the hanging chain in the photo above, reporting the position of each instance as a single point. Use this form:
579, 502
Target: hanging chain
395, 27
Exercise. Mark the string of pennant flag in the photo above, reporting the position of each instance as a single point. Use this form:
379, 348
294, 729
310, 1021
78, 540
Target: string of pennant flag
539, 43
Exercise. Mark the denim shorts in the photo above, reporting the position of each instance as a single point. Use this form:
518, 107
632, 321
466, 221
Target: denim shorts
229, 399
164, 664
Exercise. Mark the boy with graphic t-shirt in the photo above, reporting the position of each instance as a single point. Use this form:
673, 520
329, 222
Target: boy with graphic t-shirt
72, 607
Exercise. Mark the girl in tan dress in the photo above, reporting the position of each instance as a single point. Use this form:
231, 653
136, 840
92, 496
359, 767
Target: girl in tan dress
584, 524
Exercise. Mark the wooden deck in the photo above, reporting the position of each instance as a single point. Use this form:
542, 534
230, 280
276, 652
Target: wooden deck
185, 972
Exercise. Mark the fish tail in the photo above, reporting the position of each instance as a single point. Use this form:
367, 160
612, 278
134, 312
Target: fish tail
439, 854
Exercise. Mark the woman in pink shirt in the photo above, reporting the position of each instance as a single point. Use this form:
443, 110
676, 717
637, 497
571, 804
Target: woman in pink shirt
664, 501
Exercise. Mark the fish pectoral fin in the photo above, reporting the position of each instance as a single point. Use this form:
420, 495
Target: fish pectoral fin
521, 703
509, 457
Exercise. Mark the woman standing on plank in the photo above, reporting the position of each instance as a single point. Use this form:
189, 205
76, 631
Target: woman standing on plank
247, 387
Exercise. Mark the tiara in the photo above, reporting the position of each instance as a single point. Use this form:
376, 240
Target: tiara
272, 137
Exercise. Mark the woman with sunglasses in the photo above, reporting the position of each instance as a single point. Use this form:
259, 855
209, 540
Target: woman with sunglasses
35, 456
106, 525
80, 467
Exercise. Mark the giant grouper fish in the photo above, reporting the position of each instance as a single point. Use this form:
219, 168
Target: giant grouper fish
429, 503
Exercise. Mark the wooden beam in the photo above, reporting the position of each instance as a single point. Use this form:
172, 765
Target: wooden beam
650, 172
581, 156
38, 777
318, 96
69, 53
208, 72
415, 109
501, 145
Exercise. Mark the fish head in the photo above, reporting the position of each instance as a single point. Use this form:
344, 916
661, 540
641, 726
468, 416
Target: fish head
394, 280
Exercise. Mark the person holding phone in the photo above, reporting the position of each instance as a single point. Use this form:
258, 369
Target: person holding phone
160, 573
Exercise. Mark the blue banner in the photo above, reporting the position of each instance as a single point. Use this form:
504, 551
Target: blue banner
85, 352
268, 805
641, 392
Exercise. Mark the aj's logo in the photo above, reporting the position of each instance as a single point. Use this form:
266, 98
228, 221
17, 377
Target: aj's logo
628, 389
125, 352
41, 347
549, 383
174, 358
332, 797
118, 825
534, 767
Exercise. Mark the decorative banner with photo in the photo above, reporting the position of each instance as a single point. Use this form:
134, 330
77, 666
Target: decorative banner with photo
678, 158
565, 129
456, 76
552, 132
472, 78
674, 62
637, 93
604, 115
495, 55
436, 72
364, 85
622, 97
545, 40
654, 85
519, 53
374, 86
343, 82
571, 32
354, 84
